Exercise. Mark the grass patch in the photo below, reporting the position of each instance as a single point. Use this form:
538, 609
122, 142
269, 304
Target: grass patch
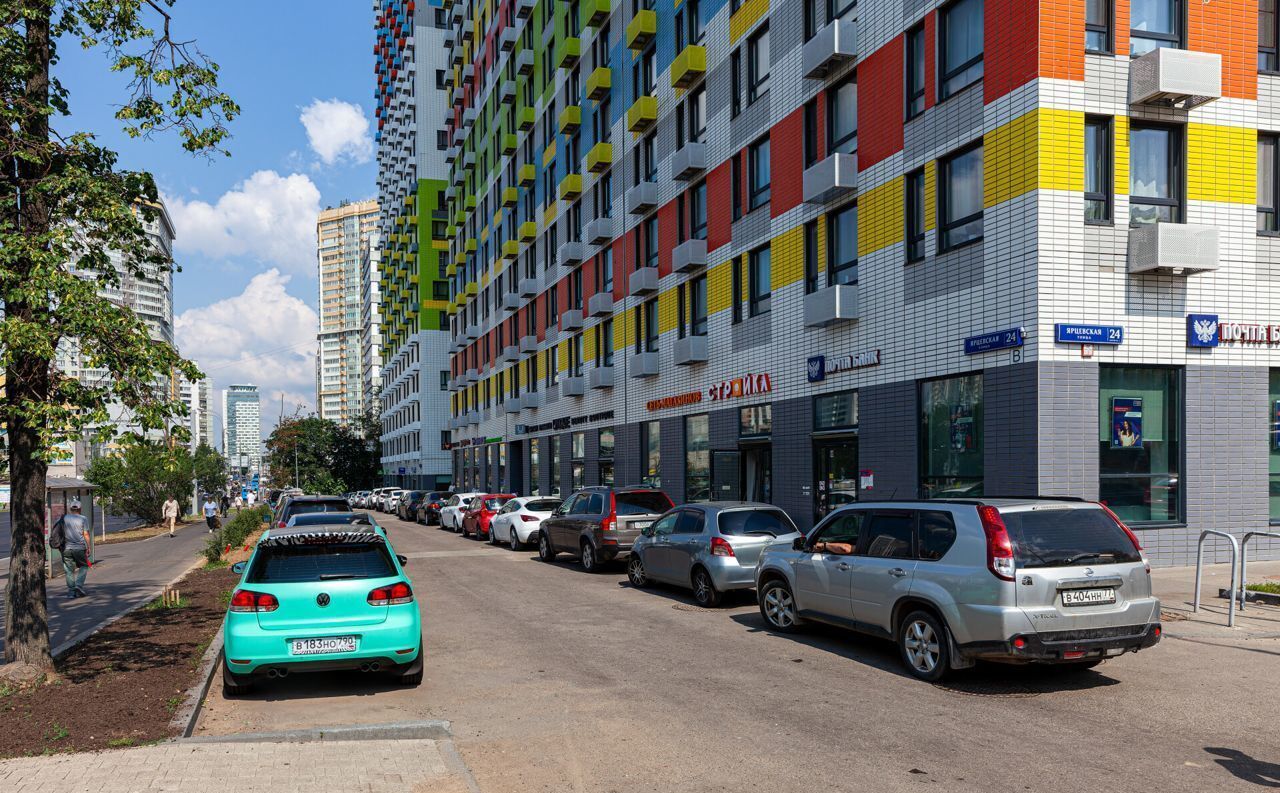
57, 733
121, 742
1270, 587
173, 703
217, 564
160, 605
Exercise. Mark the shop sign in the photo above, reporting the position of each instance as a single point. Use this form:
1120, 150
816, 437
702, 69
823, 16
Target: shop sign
1207, 330
819, 366
745, 386
561, 423
679, 400
1070, 333
997, 340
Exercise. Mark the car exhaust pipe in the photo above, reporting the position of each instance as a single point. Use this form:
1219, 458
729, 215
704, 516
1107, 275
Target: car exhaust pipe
273, 673
375, 666
282, 672
364, 667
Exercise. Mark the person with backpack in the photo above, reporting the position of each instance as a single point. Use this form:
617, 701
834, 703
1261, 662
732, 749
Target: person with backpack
70, 537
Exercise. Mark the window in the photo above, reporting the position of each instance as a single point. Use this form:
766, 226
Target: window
1097, 25
444, 380
960, 198
604, 343
811, 257
915, 71
602, 120
575, 355
651, 453
735, 185
681, 295
1097, 169
651, 326
1155, 174
961, 45
842, 117
1268, 60
650, 242
843, 529
810, 132
553, 372
698, 211
889, 535
554, 441
697, 458
758, 64
736, 278
575, 289
758, 173
535, 487
698, 306
755, 421
604, 189
696, 117
1154, 24
650, 158
838, 411
693, 31
1273, 443
735, 86
1140, 442
1267, 181
915, 215
604, 276
810, 19
951, 437
842, 246
759, 281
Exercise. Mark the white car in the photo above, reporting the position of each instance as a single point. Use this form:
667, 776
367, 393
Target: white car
517, 523
451, 512
376, 498
393, 499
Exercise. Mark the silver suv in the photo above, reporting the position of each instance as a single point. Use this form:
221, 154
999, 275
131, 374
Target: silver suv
954, 581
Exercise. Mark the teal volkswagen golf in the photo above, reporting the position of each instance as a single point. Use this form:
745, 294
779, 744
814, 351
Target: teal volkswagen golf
321, 598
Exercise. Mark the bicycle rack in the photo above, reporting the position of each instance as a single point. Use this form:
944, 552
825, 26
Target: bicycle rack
1244, 557
1235, 559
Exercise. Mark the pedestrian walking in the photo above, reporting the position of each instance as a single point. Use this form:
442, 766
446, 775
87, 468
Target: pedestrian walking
224, 503
239, 503
252, 498
70, 537
211, 514
170, 513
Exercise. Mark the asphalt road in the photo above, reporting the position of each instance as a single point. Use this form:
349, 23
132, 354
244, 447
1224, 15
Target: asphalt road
114, 523
555, 680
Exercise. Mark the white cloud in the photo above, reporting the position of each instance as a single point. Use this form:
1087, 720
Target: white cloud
263, 336
337, 130
269, 217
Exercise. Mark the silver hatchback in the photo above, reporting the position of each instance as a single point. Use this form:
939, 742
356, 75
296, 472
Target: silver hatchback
709, 548
954, 581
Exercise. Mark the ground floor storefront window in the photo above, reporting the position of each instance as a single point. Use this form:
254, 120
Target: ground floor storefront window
697, 458
606, 456
578, 455
554, 442
951, 437
1140, 442
755, 444
651, 453
1273, 444
835, 451
534, 488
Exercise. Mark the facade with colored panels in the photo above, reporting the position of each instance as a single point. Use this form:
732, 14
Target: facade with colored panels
409, 66
815, 252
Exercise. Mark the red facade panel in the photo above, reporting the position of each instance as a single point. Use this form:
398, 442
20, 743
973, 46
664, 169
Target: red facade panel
786, 163
1011, 49
719, 217
880, 75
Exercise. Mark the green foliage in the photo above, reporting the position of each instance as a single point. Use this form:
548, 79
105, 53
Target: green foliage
1270, 587
138, 481
235, 531
331, 457
210, 469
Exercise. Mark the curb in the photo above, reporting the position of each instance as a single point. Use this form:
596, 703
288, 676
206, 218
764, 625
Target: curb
1251, 596
401, 730
185, 719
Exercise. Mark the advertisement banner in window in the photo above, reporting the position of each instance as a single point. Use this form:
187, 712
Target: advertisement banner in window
962, 439
1126, 422
1275, 425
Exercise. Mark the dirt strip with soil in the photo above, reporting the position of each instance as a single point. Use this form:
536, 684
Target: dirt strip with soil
122, 686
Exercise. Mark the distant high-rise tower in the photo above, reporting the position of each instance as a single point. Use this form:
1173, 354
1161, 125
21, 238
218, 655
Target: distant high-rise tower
197, 398
371, 321
341, 235
242, 427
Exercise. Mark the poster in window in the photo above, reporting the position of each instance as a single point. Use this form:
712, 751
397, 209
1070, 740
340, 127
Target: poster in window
1126, 422
962, 439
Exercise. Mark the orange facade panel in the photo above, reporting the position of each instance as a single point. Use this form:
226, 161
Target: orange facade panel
1062, 39
1229, 28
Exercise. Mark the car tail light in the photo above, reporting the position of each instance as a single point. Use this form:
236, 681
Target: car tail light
246, 601
1019, 643
529, 518
721, 547
610, 523
1071, 655
999, 547
1133, 538
392, 595
280, 525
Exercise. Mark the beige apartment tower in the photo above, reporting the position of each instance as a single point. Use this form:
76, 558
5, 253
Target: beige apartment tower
341, 234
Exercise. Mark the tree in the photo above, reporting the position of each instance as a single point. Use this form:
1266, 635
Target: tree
63, 202
139, 479
320, 455
210, 469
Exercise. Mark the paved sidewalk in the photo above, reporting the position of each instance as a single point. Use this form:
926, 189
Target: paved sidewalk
394, 766
124, 575
1175, 586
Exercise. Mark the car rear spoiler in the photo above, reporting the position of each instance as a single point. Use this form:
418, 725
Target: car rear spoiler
328, 537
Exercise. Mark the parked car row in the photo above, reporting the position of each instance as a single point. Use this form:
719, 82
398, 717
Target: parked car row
950, 581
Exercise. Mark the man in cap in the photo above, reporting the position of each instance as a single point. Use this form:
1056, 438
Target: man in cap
70, 536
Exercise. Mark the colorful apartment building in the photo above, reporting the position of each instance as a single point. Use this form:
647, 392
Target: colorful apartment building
815, 252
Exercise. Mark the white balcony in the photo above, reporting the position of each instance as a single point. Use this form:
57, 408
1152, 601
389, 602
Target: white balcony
1173, 249
571, 320
529, 287
573, 386
644, 364
830, 178
642, 198
472, 332
830, 305
510, 301
524, 62
507, 91
643, 281
688, 161
531, 401
524, 8
471, 376
691, 349
599, 231
507, 39
528, 343
600, 304
473, 418
834, 45
512, 405
1178, 78
689, 255
571, 254
510, 354
600, 377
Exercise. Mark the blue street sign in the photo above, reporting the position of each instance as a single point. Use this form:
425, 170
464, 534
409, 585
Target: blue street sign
1069, 333
996, 340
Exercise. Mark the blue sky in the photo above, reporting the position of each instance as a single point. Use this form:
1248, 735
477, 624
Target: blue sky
246, 296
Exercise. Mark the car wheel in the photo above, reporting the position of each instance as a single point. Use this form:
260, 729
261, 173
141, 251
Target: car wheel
493, 535
636, 573
545, 552
588, 558
234, 685
778, 606
704, 589
923, 643
514, 540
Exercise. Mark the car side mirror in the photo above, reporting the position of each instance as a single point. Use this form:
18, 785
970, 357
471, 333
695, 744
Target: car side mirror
647, 531
798, 544
402, 559
238, 568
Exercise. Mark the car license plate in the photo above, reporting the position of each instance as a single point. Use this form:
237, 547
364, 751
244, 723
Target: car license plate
323, 645
1088, 597
641, 525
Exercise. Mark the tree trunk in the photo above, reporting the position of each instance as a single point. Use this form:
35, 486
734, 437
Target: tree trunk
27, 382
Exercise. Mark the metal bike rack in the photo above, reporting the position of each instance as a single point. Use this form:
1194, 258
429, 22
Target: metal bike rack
1235, 559
1244, 557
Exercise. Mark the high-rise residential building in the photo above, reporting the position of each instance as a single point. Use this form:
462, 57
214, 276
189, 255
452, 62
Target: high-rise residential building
813, 253
197, 397
242, 428
371, 322
411, 65
341, 235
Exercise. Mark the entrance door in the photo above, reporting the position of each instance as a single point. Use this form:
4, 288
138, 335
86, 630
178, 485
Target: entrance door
726, 484
837, 474
757, 473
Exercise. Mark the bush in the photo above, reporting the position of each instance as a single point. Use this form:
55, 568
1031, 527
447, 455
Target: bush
236, 531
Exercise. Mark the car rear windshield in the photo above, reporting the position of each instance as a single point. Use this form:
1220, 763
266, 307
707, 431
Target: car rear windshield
742, 522
495, 503
307, 507
642, 502
329, 518
545, 505
1063, 537
414, 494
294, 564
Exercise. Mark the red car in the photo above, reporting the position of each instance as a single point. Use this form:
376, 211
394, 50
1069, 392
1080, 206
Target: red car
476, 520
